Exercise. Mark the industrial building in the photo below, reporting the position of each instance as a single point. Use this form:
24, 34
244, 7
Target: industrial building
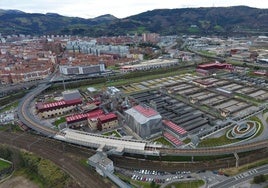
82, 70
70, 100
144, 120
150, 64
82, 119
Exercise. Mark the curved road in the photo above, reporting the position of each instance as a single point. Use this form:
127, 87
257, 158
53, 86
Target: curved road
26, 117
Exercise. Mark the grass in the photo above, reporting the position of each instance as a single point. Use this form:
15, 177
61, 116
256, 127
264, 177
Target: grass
4, 165
163, 141
222, 140
134, 183
233, 171
30, 176
186, 184
83, 162
187, 141
112, 133
10, 106
148, 76
59, 121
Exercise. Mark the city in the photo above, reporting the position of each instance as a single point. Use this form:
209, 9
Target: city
145, 110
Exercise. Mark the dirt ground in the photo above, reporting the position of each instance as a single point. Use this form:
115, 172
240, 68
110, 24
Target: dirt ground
18, 182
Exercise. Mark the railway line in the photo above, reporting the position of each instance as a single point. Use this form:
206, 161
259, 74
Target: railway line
57, 153
26, 117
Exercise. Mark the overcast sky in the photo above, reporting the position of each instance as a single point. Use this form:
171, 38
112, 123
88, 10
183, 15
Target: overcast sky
118, 8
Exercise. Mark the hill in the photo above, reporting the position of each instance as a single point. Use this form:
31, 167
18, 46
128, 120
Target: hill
199, 21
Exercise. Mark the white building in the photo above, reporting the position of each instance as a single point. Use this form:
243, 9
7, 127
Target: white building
101, 162
144, 121
82, 70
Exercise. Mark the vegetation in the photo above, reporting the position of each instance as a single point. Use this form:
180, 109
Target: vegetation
219, 141
132, 77
137, 184
12, 97
187, 141
41, 171
4, 165
186, 184
259, 179
163, 141
10, 106
234, 171
221, 20
59, 121
112, 133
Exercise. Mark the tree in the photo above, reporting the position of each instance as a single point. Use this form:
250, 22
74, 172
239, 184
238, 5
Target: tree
259, 179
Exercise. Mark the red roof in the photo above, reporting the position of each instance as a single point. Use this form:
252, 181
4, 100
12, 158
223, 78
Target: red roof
107, 117
59, 104
146, 111
174, 127
81, 117
172, 139
214, 65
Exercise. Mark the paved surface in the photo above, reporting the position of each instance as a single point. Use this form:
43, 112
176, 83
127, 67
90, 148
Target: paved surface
242, 177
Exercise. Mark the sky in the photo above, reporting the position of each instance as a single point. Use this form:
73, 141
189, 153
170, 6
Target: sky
118, 8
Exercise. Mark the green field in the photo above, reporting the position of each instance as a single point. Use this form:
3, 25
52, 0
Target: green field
163, 141
112, 133
4, 165
192, 184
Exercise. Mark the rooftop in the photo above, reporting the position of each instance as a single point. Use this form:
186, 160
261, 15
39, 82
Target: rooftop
145, 110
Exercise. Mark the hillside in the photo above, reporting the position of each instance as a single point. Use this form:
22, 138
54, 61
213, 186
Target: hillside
199, 21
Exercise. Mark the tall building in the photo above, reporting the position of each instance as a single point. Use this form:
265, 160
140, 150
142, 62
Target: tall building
151, 37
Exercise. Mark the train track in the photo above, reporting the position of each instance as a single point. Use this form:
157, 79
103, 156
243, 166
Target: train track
25, 116
57, 153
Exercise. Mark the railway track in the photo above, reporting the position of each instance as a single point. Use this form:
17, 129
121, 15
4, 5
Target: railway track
54, 151
26, 118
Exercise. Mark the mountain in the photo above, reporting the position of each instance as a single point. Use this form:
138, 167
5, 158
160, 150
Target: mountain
198, 21
15, 21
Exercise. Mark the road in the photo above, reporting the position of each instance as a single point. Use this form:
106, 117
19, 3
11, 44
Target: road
63, 155
245, 176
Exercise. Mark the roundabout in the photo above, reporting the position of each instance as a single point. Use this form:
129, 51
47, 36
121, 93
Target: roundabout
244, 130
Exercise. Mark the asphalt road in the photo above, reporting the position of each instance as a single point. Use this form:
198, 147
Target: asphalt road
245, 176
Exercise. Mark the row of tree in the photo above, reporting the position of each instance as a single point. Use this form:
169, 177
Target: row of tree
36, 167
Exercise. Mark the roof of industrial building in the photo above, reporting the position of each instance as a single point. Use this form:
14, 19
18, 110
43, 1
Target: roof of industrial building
107, 117
174, 127
143, 115
80, 117
55, 105
92, 139
145, 110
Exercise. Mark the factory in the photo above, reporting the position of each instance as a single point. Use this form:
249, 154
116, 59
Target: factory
71, 99
144, 120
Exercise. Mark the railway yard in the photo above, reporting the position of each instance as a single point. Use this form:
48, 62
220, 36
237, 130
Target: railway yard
192, 107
